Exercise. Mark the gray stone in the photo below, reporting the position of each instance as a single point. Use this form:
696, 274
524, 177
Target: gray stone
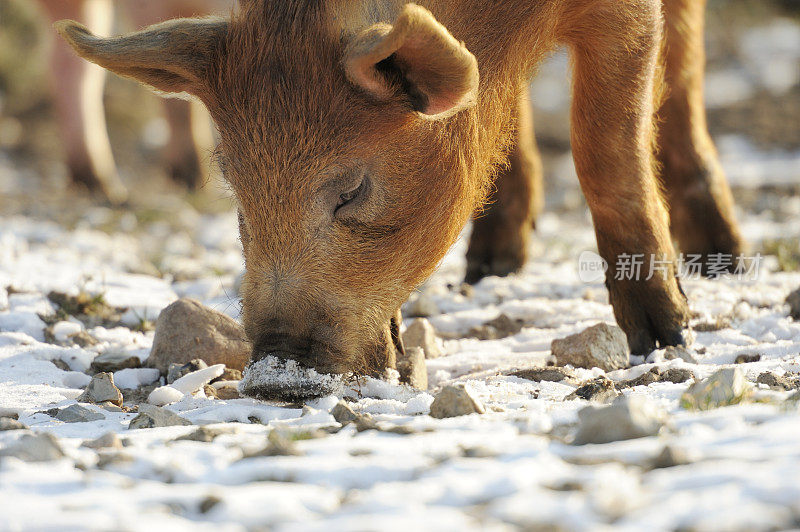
645, 379
202, 434
727, 386
455, 400
343, 413
777, 382
112, 361
600, 389
670, 457
154, 416
793, 300
109, 440
495, 329
8, 423
101, 389
678, 351
420, 333
624, 419
601, 346
78, 414
549, 374
747, 358
677, 375
41, 447
412, 368
176, 371
187, 330
278, 444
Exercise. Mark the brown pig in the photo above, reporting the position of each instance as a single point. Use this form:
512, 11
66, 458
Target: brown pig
359, 136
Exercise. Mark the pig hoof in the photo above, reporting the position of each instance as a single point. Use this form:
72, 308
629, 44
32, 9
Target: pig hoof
477, 269
652, 314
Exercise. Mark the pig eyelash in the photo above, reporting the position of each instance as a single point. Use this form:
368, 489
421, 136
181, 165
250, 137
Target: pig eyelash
348, 197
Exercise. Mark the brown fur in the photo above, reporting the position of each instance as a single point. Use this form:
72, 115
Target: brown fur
303, 118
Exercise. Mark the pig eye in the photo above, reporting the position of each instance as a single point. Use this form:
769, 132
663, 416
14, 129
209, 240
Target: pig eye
348, 197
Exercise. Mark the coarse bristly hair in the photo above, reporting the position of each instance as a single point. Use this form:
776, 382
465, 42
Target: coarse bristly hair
411, 107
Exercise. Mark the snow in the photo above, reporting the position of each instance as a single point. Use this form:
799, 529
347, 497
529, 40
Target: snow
510, 468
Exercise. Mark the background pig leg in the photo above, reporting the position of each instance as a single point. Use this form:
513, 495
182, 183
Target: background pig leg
77, 88
701, 205
612, 130
190, 131
181, 151
501, 230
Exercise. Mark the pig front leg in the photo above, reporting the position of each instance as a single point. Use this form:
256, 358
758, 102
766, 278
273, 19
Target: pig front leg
612, 139
501, 230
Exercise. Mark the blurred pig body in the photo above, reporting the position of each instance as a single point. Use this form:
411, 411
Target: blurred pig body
77, 90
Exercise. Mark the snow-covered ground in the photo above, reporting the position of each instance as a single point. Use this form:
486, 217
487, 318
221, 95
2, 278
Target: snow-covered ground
512, 466
734, 468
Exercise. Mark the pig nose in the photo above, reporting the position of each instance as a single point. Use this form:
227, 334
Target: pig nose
301, 349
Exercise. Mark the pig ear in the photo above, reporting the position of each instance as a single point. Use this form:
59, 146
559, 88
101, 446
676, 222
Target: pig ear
171, 57
417, 57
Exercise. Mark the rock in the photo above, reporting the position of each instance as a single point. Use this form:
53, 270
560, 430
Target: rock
670, 457
226, 390
176, 371
78, 414
793, 300
187, 330
41, 447
727, 386
8, 423
278, 444
101, 389
82, 339
747, 358
495, 329
645, 379
164, 396
210, 392
60, 364
153, 416
229, 374
192, 382
455, 400
677, 375
599, 389
343, 413
420, 333
601, 346
544, 374
132, 378
209, 503
777, 382
626, 418
421, 306
112, 361
271, 378
678, 351
412, 368
109, 440
186, 385
202, 434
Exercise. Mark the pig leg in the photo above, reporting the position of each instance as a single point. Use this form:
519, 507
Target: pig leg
700, 201
77, 88
612, 133
501, 230
181, 151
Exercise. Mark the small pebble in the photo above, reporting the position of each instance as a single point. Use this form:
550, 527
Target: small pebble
101, 389
455, 400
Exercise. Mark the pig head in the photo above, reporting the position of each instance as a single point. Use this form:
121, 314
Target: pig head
351, 146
